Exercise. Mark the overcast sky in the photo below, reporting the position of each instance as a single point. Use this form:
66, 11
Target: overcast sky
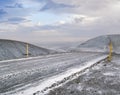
47, 21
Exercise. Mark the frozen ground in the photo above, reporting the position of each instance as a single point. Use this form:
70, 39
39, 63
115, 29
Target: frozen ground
23, 73
102, 79
41, 74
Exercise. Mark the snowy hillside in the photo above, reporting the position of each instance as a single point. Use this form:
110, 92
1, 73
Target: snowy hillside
10, 49
101, 44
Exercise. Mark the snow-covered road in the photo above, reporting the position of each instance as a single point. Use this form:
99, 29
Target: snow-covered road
101, 79
17, 75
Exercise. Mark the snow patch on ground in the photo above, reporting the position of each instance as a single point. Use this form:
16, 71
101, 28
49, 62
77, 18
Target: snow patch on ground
105, 80
48, 82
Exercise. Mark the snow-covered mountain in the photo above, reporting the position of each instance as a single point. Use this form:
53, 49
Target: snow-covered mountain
101, 44
10, 49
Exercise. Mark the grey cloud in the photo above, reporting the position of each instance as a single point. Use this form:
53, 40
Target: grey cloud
89, 7
51, 5
108, 22
6, 2
2, 12
16, 20
16, 5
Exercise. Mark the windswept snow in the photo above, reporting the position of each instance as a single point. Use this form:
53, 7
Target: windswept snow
102, 79
19, 74
44, 73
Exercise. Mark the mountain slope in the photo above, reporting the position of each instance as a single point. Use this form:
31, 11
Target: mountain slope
10, 49
101, 43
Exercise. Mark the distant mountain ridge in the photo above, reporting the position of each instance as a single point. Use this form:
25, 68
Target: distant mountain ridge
11, 49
